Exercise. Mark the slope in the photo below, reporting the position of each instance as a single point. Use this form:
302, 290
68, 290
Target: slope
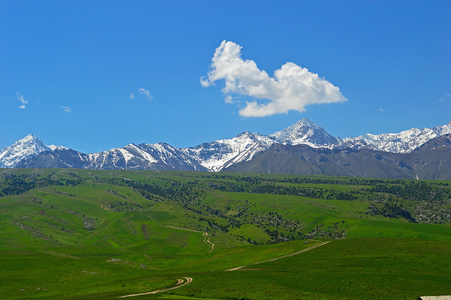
426, 162
80, 234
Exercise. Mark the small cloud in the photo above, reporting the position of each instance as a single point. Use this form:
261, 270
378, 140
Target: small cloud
131, 96
22, 100
146, 94
66, 108
446, 97
381, 109
228, 99
292, 87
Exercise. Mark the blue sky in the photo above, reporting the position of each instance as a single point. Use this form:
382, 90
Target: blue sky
93, 75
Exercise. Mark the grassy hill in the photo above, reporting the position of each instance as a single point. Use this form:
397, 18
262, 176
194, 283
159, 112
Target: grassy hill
74, 234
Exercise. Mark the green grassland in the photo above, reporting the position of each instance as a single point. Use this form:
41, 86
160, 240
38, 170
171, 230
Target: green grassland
85, 234
364, 268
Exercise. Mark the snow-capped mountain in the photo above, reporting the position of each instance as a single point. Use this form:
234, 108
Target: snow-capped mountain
131, 157
22, 149
158, 156
213, 156
221, 154
403, 142
305, 132
430, 161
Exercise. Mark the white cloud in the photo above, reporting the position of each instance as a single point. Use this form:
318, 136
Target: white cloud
22, 100
229, 99
447, 96
291, 88
131, 96
381, 109
146, 93
66, 108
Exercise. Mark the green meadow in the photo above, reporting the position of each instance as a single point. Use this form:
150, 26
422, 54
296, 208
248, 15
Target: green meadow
85, 234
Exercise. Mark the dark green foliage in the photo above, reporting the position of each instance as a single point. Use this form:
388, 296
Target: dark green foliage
415, 191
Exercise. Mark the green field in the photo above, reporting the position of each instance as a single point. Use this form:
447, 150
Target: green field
84, 234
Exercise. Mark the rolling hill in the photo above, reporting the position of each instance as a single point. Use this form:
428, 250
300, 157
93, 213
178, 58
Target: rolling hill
85, 234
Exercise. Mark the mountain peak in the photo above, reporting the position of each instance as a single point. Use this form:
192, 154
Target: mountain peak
306, 122
246, 134
23, 148
29, 141
29, 138
306, 132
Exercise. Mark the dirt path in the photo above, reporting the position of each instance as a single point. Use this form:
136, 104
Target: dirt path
101, 205
205, 234
150, 218
280, 257
294, 253
180, 228
207, 241
234, 269
179, 284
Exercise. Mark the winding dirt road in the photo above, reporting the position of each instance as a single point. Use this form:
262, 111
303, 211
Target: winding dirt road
179, 284
188, 280
207, 241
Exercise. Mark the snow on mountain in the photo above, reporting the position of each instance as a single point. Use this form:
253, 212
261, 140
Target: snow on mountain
221, 154
403, 142
130, 157
165, 156
143, 156
307, 133
22, 149
55, 147
214, 156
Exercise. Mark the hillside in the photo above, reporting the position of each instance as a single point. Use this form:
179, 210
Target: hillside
103, 234
431, 161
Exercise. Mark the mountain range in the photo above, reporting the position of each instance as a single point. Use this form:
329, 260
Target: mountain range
430, 161
255, 152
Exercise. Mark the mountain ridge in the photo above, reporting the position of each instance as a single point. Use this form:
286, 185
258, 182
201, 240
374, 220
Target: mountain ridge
403, 142
212, 156
431, 161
